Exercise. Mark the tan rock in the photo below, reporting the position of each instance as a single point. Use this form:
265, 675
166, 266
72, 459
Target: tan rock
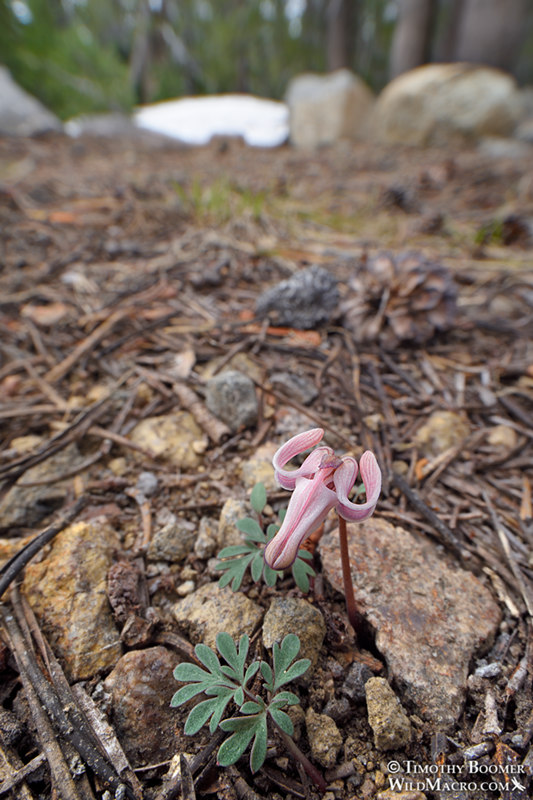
210, 610
443, 429
386, 717
324, 737
232, 511
259, 469
439, 104
503, 437
172, 437
67, 591
326, 108
299, 616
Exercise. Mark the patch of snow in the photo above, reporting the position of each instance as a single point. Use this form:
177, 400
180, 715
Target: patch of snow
195, 120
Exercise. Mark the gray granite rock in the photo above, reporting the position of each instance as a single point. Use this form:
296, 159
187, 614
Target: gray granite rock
298, 387
21, 114
173, 538
231, 397
443, 104
306, 300
429, 618
353, 687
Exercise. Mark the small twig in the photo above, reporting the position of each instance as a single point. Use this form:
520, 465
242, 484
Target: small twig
446, 535
21, 774
76, 429
106, 736
215, 428
61, 777
85, 346
187, 783
244, 792
172, 788
506, 547
49, 700
302, 759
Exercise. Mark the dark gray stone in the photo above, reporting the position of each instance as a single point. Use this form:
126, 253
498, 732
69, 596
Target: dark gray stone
305, 300
296, 386
230, 396
354, 686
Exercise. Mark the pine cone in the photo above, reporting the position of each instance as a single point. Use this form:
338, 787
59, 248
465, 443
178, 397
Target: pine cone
399, 299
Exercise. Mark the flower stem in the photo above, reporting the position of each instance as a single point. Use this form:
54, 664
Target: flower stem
351, 608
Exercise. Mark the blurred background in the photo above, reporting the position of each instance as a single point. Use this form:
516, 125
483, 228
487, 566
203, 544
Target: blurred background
104, 55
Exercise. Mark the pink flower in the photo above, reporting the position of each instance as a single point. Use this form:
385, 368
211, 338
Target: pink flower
323, 482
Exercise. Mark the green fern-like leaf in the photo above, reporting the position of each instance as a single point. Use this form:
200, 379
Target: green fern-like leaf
283, 671
258, 497
223, 678
302, 570
253, 726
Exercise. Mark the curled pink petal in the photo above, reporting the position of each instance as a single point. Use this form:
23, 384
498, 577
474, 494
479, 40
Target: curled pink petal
296, 445
308, 508
344, 479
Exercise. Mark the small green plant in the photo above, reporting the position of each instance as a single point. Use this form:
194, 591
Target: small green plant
227, 682
237, 558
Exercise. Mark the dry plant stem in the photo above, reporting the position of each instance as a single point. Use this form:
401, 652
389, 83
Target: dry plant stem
11, 568
351, 608
295, 751
297, 754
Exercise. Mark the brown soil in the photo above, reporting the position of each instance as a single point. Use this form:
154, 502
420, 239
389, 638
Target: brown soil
116, 258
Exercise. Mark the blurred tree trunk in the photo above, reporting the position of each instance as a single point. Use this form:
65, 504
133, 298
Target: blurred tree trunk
492, 31
412, 35
140, 54
444, 49
340, 43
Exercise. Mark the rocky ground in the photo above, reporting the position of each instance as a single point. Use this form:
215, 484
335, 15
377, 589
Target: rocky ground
168, 317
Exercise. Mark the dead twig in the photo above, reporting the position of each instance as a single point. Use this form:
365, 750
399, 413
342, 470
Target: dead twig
59, 717
85, 346
187, 783
11, 568
445, 534
62, 780
217, 430
525, 591
107, 738
172, 788
20, 774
